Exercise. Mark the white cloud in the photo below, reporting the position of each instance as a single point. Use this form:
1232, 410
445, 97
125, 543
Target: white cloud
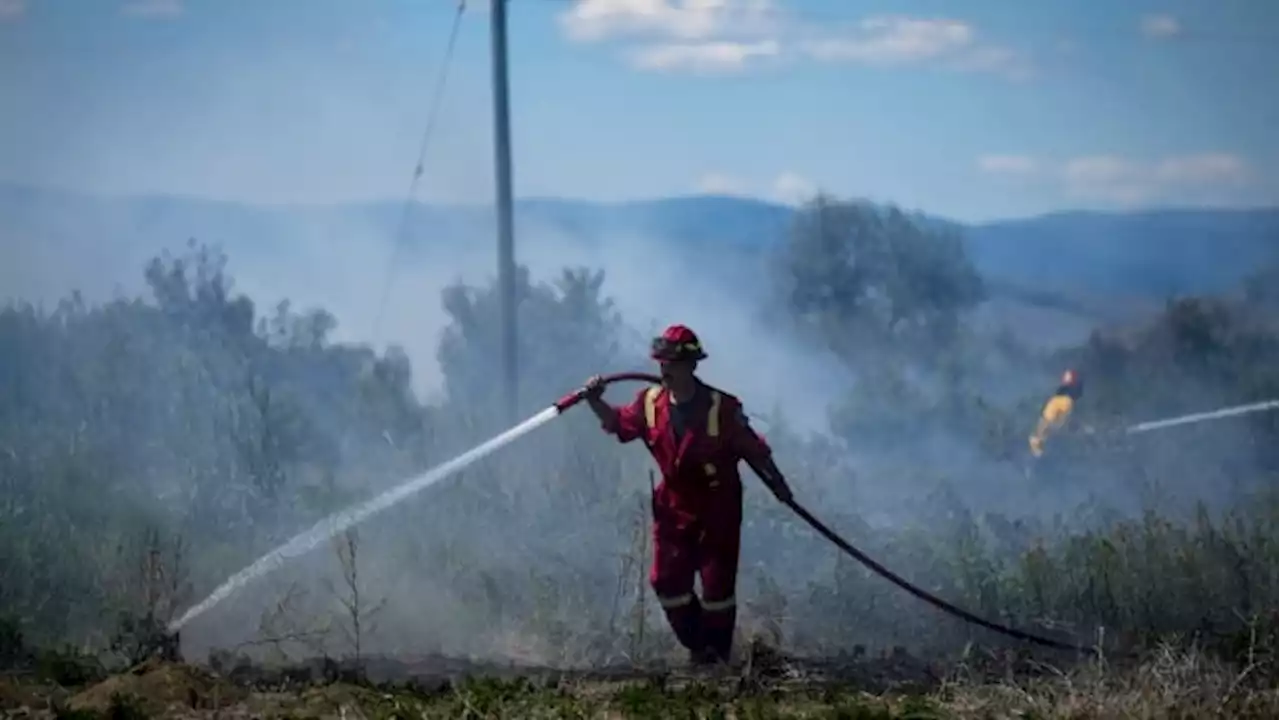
152, 8
1008, 164
787, 187
12, 8
890, 41
1219, 168
895, 40
726, 35
720, 184
1160, 26
703, 57
688, 20
700, 36
1126, 181
793, 189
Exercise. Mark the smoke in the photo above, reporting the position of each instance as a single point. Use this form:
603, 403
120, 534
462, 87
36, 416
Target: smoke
459, 575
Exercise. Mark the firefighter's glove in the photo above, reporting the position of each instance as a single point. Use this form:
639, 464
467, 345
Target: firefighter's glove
594, 387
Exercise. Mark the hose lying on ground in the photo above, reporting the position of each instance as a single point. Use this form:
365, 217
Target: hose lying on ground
924, 595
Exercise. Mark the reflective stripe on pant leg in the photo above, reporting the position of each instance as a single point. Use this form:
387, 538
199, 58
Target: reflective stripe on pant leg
719, 605
676, 601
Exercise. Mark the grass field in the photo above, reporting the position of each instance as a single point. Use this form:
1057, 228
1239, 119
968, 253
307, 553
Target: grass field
1165, 684
1198, 597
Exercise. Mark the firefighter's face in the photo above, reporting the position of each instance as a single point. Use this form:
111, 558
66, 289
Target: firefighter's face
675, 370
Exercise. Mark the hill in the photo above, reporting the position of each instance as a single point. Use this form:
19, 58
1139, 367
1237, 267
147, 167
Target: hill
1052, 278
1152, 254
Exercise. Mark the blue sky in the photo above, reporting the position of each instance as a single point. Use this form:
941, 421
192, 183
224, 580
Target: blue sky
976, 109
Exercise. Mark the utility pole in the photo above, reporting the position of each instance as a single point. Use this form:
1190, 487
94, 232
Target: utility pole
506, 240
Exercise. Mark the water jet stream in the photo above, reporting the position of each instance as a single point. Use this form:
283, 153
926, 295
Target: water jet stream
338, 522
1202, 416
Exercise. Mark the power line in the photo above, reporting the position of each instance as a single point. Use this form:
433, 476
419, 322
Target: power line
433, 112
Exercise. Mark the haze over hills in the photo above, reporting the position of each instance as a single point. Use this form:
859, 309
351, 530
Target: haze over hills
1053, 277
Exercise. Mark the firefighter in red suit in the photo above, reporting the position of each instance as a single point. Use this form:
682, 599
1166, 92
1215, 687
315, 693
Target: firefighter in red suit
697, 434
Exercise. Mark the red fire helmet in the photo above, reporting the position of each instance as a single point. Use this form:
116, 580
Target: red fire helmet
677, 342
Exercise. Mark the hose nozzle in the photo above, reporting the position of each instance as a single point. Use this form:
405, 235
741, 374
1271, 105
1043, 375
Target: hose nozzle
570, 400
580, 394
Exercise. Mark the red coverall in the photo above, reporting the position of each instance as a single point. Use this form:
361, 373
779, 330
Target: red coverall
697, 508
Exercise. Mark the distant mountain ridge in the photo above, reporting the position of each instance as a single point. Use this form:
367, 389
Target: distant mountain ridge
1067, 258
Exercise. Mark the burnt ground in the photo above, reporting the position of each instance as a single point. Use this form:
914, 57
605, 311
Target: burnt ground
758, 664
229, 685
765, 684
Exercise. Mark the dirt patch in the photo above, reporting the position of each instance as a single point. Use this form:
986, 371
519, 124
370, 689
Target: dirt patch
157, 687
17, 692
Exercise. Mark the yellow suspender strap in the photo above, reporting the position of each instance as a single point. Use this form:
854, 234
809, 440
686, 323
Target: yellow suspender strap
651, 405
713, 420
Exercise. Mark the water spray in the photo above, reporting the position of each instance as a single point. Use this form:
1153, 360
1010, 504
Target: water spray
1202, 416
335, 524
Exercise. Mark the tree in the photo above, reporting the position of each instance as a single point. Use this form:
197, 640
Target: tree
857, 276
567, 330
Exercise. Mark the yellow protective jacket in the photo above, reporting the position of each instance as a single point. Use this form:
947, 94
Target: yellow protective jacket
1053, 416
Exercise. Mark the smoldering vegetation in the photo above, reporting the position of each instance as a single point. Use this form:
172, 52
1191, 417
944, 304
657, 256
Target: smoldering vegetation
151, 446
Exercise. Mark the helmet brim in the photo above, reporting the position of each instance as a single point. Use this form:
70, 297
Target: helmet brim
666, 357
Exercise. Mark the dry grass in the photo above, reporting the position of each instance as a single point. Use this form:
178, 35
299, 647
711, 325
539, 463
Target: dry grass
1168, 684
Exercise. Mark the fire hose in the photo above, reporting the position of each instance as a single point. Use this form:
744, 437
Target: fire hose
573, 398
